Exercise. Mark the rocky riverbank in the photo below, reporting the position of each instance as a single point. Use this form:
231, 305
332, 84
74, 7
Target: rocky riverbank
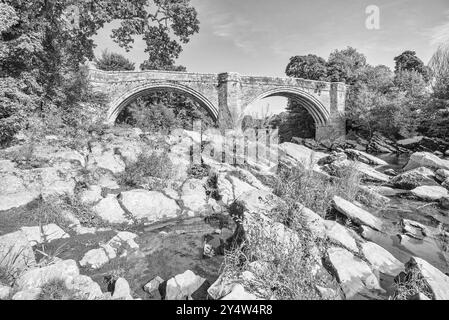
123, 214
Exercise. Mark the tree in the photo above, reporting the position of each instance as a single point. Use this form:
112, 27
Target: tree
408, 61
345, 65
110, 61
308, 67
45, 42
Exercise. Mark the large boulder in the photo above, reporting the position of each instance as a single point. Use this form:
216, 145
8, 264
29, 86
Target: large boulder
353, 274
426, 159
96, 258
260, 200
408, 180
16, 253
436, 281
356, 214
238, 292
367, 173
84, 287
152, 206
301, 154
381, 259
430, 193
122, 291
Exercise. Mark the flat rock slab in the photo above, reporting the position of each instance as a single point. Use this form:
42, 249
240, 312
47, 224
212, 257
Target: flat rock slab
152, 206
109, 209
353, 273
340, 235
365, 157
381, 259
16, 253
47, 233
356, 214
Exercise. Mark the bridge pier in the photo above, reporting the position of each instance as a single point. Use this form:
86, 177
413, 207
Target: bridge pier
229, 100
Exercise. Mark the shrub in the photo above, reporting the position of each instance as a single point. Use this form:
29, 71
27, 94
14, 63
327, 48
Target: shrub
110, 61
156, 165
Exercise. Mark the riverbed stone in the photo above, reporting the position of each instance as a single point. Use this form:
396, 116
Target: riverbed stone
442, 174
96, 258
430, 193
356, 214
84, 287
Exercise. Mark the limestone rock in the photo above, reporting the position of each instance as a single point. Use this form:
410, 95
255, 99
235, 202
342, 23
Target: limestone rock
442, 174
153, 285
430, 193
356, 214
107, 160
110, 210
122, 290
353, 274
13, 192
16, 253
96, 258
314, 222
46, 233
381, 259
238, 292
260, 200
426, 159
303, 155
37, 277
122, 238
183, 285
84, 287
193, 195
91, 195
340, 235
29, 294
5, 292
150, 205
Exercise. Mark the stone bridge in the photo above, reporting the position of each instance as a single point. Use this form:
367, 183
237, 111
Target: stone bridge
226, 95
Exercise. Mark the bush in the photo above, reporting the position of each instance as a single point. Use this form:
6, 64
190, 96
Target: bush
110, 61
154, 165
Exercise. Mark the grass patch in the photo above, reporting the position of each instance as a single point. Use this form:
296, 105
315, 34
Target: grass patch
315, 192
411, 284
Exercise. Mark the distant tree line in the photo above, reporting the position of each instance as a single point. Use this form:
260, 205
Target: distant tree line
412, 99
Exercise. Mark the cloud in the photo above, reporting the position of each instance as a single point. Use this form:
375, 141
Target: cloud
440, 33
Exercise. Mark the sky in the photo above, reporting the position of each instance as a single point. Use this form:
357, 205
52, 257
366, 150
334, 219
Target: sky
258, 37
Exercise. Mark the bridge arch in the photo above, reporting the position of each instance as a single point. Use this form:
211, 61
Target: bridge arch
117, 105
317, 110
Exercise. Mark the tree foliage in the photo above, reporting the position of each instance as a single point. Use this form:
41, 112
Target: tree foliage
111, 61
308, 67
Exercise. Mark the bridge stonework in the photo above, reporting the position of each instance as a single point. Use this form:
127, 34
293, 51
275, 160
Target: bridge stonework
226, 95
